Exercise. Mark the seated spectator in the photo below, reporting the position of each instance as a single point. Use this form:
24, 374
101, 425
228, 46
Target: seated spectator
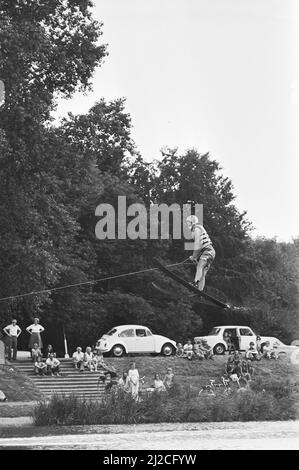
124, 382
246, 369
188, 350
258, 343
233, 365
78, 358
243, 384
40, 367
206, 349
36, 352
252, 353
88, 359
250, 368
97, 359
98, 347
169, 378
98, 362
53, 365
180, 350
268, 352
49, 350
197, 350
158, 384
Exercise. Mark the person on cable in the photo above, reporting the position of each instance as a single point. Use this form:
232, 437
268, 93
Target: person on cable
203, 252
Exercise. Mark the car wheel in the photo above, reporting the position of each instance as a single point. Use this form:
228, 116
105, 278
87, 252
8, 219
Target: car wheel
118, 350
167, 350
219, 349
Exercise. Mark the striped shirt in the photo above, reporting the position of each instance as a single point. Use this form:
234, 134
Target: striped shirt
201, 239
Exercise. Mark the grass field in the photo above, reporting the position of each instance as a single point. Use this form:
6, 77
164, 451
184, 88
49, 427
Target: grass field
197, 373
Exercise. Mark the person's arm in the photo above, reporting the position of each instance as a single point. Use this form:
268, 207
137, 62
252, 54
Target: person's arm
6, 330
19, 332
41, 328
29, 329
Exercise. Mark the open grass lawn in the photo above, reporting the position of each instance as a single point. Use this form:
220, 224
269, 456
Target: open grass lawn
197, 373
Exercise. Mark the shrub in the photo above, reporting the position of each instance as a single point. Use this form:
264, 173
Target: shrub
118, 407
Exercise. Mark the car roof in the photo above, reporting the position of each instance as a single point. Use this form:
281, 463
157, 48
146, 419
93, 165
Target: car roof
130, 326
232, 326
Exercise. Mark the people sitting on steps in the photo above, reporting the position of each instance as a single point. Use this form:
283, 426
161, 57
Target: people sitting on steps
40, 368
78, 359
36, 352
53, 365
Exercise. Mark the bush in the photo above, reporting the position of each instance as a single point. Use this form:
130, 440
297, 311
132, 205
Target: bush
118, 407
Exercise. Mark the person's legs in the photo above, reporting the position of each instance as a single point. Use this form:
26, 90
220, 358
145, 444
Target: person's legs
200, 274
55, 370
14, 347
9, 345
203, 265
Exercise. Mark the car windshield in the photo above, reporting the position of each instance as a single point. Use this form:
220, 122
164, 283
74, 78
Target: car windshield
111, 332
214, 331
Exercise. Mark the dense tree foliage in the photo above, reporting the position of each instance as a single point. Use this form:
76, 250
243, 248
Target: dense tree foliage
53, 178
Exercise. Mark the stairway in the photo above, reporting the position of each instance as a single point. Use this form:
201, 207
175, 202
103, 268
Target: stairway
81, 384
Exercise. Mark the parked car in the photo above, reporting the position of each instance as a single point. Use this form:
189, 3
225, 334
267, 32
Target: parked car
126, 339
241, 336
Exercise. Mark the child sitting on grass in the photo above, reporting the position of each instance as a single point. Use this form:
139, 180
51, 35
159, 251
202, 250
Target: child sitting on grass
206, 349
158, 384
188, 350
168, 379
180, 350
268, 352
197, 350
252, 352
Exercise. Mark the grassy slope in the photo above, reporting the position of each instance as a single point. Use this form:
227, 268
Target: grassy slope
16, 386
197, 373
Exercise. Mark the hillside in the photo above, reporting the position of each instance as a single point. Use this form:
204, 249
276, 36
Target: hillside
16, 386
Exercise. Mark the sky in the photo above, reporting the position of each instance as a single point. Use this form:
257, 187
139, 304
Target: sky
221, 76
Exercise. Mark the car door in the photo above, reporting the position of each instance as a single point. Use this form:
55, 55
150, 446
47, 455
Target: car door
128, 338
246, 336
144, 341
233, 335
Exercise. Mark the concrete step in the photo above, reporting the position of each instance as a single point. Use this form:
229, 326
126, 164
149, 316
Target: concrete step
71, 382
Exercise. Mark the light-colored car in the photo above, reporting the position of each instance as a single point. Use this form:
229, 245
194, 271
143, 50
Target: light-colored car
128, 339
241, 336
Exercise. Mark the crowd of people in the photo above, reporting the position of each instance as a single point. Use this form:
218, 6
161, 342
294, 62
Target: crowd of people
12, 333
199, 349
238, 368
130, 382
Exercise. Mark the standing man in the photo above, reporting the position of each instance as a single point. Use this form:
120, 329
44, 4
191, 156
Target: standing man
13, 331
